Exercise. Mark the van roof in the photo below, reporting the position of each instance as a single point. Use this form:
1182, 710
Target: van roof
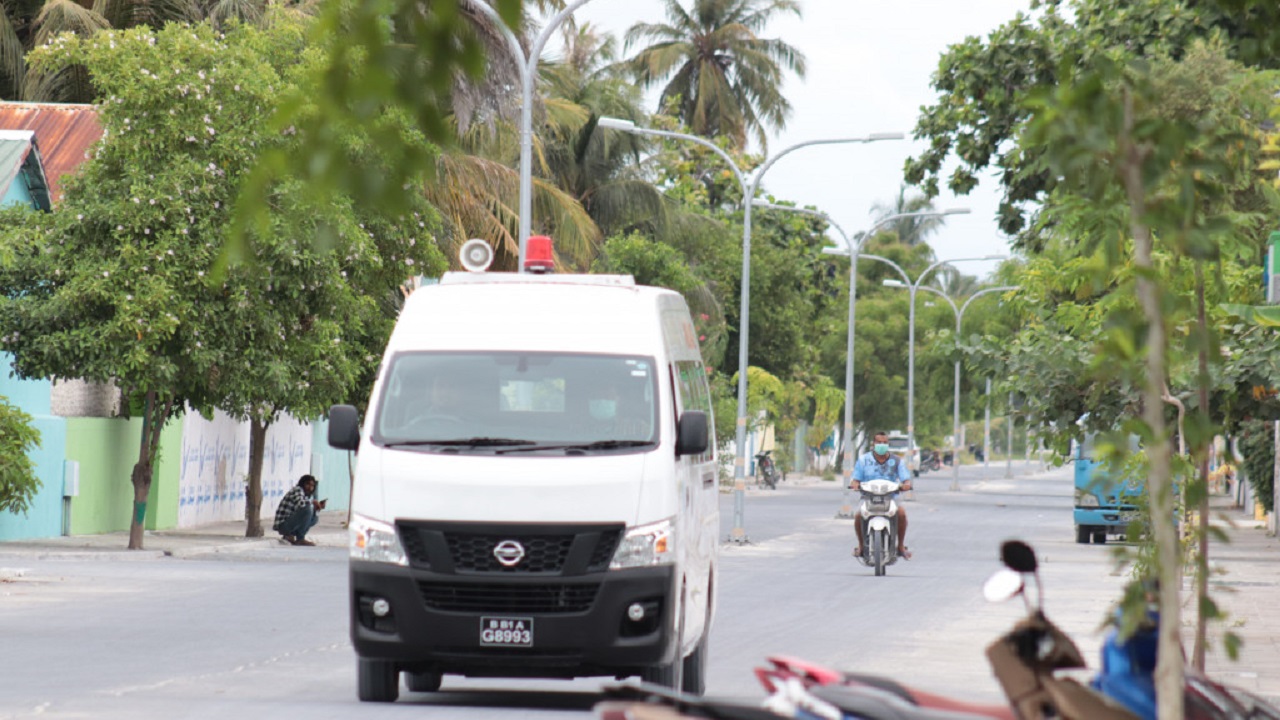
470, 278
607, 314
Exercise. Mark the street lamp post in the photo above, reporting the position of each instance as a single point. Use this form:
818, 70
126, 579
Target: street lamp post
853, 250
528, 70
739, 534
912, 288
955, 422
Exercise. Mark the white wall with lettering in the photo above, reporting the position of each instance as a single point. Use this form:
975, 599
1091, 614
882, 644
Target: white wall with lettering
215, 467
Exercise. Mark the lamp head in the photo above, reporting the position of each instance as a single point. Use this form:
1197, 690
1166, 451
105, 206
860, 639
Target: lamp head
894, 283
885, 136
956, 211
615, 123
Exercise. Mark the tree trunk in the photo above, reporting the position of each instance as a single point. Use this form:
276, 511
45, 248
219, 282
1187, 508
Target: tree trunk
1202, 451
141, 480
253, 494
1169, 677
154, 415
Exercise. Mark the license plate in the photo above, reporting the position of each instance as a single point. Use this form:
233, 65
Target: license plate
506, 632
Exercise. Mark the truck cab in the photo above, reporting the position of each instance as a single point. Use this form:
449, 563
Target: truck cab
1104, 505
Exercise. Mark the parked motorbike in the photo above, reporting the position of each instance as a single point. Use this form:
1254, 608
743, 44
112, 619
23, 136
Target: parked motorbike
879, 512
1026, 659
929, 460
1027, 662
766, 469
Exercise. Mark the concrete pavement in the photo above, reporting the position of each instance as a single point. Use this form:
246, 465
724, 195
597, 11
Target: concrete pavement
1246, 584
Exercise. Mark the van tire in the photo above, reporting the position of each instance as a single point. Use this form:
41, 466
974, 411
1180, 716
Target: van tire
1100, 537
423, 682
663, 674
694, 681
1082, 535
377, 680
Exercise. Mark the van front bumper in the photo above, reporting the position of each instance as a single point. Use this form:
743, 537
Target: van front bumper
1114, 521
579, 624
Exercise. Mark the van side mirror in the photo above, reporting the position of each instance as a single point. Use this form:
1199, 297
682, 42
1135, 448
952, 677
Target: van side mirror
344, 427
691, 433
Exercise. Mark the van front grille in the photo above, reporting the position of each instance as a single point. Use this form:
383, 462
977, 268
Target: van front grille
550, 598
546, 549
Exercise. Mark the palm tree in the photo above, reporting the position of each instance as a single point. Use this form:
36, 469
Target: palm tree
721, 78
910, 230
25, 24
596, 168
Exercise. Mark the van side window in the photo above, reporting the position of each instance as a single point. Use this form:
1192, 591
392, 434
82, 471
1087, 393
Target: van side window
693, 394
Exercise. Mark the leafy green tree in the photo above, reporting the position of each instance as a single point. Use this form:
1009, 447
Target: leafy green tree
1167, 143
983, 83
722, 78
18, 481
398, 58
122, 284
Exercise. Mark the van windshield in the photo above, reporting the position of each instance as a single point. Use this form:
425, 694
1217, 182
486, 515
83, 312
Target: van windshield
500, 401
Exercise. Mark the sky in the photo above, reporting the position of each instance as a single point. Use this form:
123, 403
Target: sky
869, 66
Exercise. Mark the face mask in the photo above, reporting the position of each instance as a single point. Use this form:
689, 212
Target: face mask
603, 409
882, 448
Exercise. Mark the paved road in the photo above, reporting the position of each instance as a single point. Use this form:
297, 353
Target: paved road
263, 633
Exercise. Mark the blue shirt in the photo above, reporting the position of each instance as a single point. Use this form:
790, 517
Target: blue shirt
868, 468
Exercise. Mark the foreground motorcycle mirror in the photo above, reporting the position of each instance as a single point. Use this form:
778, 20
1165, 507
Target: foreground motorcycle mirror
1001, 586
1018, 556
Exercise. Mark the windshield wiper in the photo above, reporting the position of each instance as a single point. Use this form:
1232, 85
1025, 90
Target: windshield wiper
597, 445
464, 442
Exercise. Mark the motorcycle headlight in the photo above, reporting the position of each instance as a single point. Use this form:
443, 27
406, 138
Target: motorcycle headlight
375, 541
1086, 499
645, 546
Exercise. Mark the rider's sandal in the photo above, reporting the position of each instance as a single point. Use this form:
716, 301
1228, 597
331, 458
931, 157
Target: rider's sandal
904, 553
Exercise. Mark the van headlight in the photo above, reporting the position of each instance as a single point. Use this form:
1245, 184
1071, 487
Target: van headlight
375, 541
645, 546
1086, 499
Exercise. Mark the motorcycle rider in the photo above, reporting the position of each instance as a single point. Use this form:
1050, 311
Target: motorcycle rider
880, 465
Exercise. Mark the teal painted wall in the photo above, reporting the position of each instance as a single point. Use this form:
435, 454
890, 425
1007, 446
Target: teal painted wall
44, 516
330, 467
17, 194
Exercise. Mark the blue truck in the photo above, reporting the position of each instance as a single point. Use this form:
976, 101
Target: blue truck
1104, 504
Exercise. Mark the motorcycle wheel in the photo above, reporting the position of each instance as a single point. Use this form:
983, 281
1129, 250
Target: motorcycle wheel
877, 552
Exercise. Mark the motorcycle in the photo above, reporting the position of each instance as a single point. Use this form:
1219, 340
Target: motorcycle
766, 470
929, 460
879, 512
1026, 659
1026, 662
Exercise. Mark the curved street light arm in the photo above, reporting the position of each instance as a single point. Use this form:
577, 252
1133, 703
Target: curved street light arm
906, 282
806, 211
985, 291
628, 126
944, 296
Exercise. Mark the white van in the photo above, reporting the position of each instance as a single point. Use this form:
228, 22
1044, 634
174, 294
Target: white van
536, 492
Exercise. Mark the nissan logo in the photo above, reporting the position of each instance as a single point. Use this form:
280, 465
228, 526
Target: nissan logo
508, 552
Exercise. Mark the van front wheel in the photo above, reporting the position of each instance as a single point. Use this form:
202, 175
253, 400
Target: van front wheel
377, 680
663, 674
1082, 535
694, 681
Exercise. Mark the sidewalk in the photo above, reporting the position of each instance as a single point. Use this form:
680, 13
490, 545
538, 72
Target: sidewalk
222, 537
1247, 590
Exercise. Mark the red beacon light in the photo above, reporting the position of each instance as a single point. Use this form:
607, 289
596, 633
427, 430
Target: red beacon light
537, 254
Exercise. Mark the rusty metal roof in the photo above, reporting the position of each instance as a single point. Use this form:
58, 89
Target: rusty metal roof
64, 134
